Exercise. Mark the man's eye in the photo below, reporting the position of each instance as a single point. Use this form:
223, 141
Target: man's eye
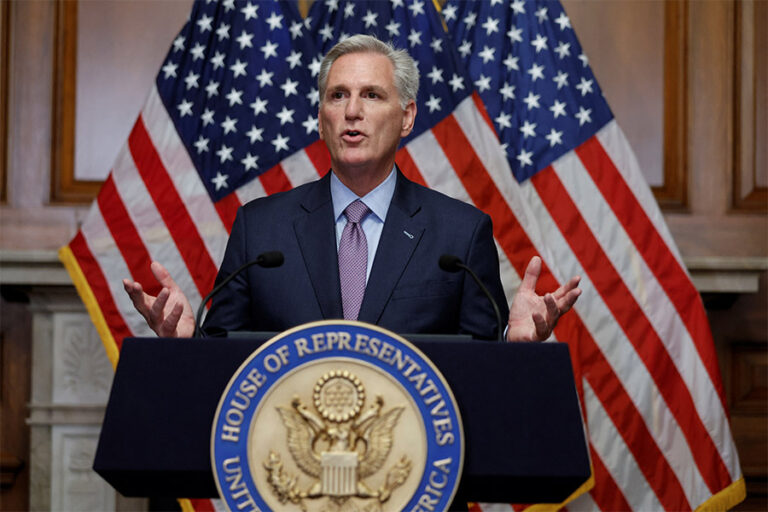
337, 95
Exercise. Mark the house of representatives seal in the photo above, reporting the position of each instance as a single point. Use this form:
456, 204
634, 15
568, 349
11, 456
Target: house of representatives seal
337, 416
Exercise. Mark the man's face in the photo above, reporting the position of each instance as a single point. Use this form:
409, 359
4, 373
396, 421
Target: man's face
360, 118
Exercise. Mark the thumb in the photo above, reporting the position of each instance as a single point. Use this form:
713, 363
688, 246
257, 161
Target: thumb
531, 276
162, 275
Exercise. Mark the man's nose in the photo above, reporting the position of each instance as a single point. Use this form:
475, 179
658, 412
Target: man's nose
354, 108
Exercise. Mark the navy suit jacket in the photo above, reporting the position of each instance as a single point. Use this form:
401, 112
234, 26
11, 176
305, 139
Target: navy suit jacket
407, 291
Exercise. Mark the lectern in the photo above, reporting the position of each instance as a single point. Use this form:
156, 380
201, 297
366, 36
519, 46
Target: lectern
525, 440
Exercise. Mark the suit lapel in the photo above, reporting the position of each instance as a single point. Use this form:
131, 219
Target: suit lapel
399, 238
316, 237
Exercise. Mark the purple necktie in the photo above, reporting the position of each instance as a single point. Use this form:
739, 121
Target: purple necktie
353, 259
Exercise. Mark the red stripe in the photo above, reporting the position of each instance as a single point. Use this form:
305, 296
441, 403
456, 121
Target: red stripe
172, 209
633, 321
607, 495
227, 208
483, 112
657, 255
98, 283
519, 249
202, 505
126, 237
409, 168
275, 180
317, 152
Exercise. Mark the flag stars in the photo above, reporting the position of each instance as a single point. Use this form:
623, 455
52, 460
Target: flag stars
483, 83
436, 75
212, 89
528, 129
563, 21
536, 72
532, 100
280, 143
229, 125
244, 39
332, 5
515, 35
511, 63
201, 144
254, 134
250, 11
249, 162
313, 96
525, 158
449, 12
314, 66
584, 60
207, 117
414, 37
417, 7
238, 68
178, 44
170, 70
465, 48
491, 25
541, 14
296, 29
507, 91
470, 19
294, 59
558, 108
223, 31
275, 21
554, 137
349, 10
197, 52
259, 106
561, 79
563, 49
504, 120
269, 50
370, 19
218, 60
220, 180
285, 115
290, 87
584, 116
487, 54
326, 32
518, 7
264, 78
393, 28
436, 45
204, 23
191, 80
234, 97
584, 86
310, 124
433, 104
540, 43
456, 82
224, 153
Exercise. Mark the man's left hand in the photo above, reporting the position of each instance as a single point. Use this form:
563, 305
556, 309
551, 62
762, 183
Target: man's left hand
532, 317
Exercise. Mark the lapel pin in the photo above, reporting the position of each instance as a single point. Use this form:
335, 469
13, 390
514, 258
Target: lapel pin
408, 234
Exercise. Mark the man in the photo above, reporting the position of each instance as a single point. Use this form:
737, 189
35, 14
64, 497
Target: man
363, 242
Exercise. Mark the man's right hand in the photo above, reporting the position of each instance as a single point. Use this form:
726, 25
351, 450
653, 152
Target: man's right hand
169, 314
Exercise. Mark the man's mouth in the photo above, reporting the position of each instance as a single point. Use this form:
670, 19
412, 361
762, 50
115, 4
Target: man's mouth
352, 135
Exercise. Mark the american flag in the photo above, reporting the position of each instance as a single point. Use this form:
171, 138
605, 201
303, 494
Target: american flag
232, 116
643, 354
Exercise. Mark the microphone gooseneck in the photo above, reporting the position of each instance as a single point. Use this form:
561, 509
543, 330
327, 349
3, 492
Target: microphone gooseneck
269, 259
451, 263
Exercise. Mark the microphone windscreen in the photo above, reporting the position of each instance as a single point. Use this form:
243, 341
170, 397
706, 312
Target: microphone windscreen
450, 263
270, 259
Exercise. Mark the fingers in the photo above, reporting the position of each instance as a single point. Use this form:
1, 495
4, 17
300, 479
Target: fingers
542, 328
168, 327
531, 276
162, 275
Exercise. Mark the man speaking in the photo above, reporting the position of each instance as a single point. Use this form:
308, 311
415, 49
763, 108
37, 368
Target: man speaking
363, 242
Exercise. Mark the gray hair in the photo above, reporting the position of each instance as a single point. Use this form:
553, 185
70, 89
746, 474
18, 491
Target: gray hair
405, 69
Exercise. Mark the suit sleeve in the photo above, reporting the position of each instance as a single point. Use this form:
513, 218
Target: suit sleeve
477, 315
230, 307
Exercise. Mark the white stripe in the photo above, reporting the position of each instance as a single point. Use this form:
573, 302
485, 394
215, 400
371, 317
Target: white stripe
611, 448
184, 176
250, 191
649, 295
617, 147
299, 169
584, 503
621, 355
150, 225
496, 507
104, 249
439, 175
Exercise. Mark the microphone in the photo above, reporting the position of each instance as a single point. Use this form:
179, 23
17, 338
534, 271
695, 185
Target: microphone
451, 263
269, 259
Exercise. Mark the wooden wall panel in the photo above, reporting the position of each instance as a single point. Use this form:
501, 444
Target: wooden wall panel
5, 26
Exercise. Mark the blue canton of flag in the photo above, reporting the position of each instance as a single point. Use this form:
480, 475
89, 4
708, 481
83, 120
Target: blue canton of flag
532, 75
415, 27
238, 84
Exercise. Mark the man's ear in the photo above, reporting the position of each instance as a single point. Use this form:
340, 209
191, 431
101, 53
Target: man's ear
319, 125
409, 118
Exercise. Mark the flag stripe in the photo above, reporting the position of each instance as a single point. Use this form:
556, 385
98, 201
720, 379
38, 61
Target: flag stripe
630, 316
98, 283
667, 269
318, 154
408, 167
227, 210
275, 180
609, 496
171, 208
126, 236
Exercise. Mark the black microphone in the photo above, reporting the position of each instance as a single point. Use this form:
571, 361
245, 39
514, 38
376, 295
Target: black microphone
451, 263
269, 259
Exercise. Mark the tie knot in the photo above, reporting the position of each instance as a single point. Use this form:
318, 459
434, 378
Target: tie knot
356, 211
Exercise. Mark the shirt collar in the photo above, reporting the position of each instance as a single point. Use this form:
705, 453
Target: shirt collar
377, 199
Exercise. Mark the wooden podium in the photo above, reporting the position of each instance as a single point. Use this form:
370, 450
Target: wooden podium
525, 441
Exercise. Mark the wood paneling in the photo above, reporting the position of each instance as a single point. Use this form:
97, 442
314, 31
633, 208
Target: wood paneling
5, 26
750, 107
